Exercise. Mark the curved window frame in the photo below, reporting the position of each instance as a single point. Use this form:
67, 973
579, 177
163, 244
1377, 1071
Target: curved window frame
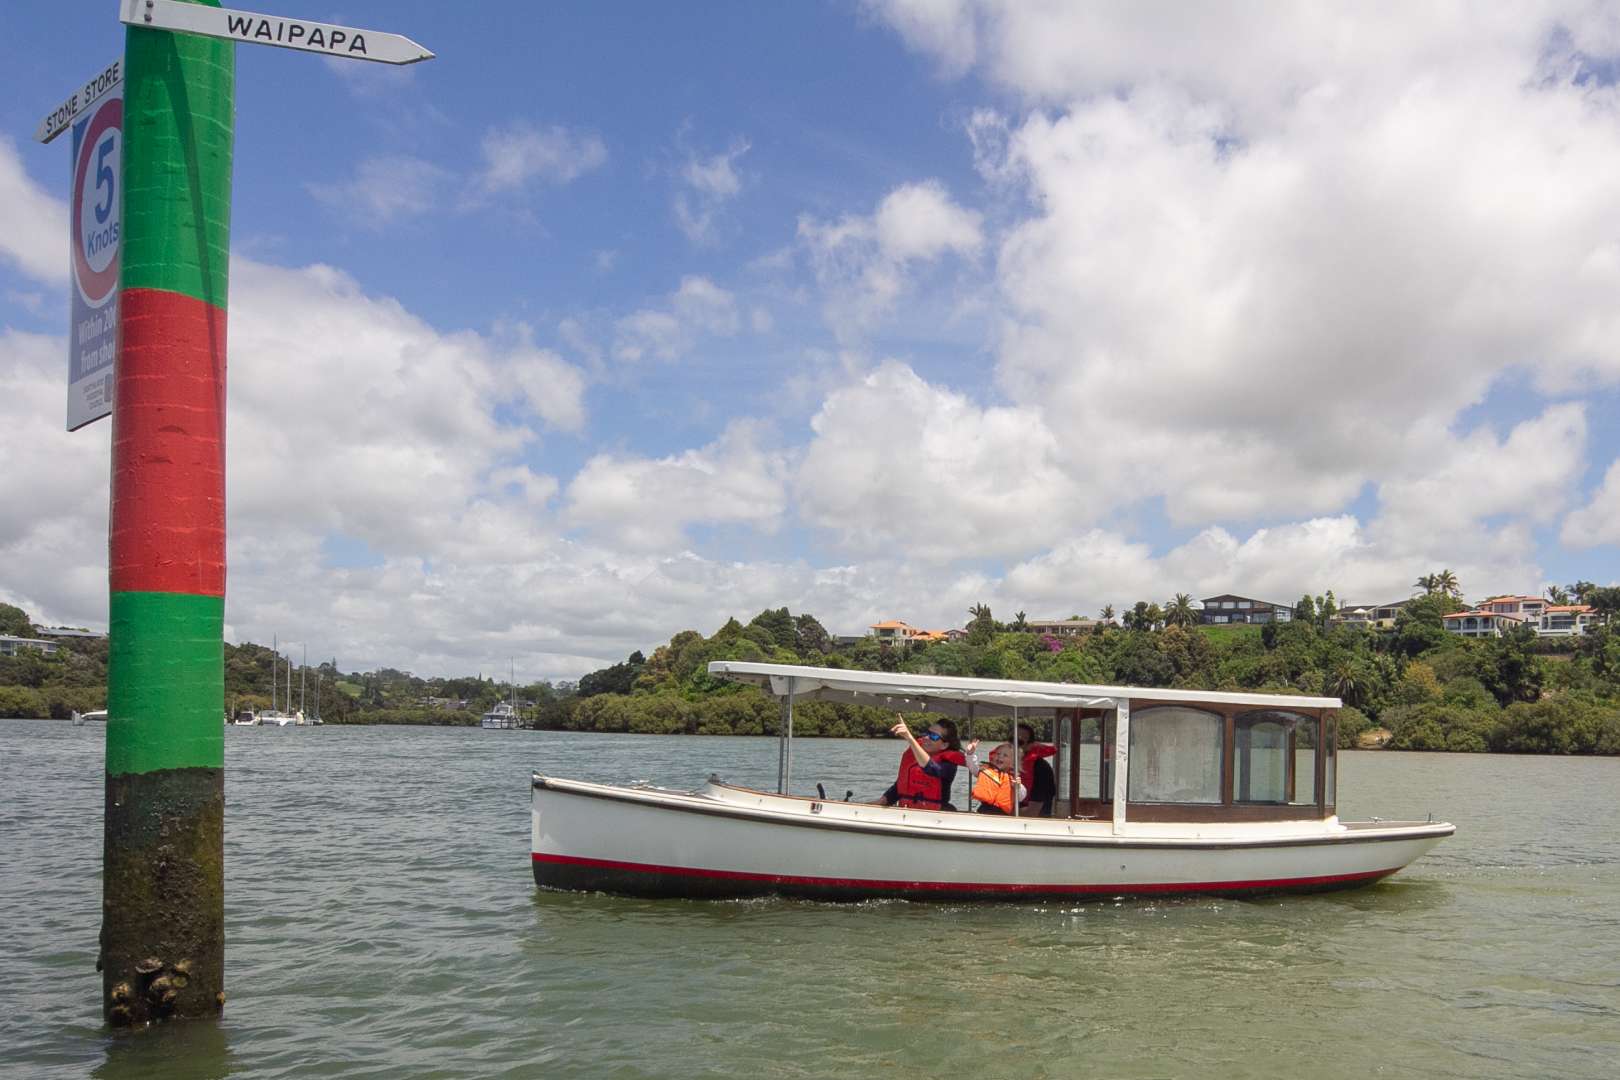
1144, 716
1293, 724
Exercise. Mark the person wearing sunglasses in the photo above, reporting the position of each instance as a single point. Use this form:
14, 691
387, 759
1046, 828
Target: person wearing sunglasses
927, 767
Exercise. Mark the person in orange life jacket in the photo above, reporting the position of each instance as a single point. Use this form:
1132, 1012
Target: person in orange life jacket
1040, 782
994, 784
927, 767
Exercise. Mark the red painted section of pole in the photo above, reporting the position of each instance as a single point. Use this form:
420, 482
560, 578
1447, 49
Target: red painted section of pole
169, 446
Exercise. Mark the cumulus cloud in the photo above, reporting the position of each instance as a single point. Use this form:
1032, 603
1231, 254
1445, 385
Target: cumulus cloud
33, 226
1598, 522
646, 503
898, 464
515, 155
698, 307
1267, 260
707, 184
864, 262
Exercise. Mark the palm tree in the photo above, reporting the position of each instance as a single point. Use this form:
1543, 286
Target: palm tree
1556, 594
1108, 613
1179, 612
1020, 623
1428, 583
1345, 682
1447, 583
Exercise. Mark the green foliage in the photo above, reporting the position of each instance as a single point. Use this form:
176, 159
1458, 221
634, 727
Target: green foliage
1433, 690
14, 622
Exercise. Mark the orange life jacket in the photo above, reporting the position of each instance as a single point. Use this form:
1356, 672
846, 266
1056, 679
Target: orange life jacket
994, 787
916, 788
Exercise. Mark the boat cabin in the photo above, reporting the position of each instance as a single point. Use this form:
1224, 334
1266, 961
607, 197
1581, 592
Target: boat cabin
1124, 754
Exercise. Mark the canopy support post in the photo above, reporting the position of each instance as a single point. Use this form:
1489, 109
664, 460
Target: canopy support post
970, 739
1018, 762
1122, 760
784, 749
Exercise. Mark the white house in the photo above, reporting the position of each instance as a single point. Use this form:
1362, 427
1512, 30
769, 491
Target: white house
1565, 620
11, 646
1480, 623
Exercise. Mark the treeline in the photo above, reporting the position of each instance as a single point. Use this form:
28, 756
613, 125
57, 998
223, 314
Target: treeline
1415, 687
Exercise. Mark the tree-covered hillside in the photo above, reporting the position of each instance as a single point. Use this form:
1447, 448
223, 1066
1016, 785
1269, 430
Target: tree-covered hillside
1414, 687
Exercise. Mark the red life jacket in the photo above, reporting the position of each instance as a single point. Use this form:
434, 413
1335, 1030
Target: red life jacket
917, 789
1033, 752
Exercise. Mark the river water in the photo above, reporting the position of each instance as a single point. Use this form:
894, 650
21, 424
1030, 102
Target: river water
382, 921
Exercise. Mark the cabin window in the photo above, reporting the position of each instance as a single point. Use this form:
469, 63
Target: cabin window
1088, 763
1274, 758
1176, 755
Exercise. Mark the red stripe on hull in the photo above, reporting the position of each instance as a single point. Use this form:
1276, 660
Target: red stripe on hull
168, 453
615, 875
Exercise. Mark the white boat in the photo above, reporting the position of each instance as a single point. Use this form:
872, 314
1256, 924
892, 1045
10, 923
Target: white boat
246, 718
504, 716
94, 716
1159, 792
275, 718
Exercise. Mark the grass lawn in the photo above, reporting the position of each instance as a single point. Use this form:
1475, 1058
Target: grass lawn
1230, 634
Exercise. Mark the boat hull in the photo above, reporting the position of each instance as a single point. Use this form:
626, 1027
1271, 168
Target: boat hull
726, 843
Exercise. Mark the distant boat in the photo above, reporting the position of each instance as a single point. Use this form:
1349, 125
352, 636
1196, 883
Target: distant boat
95, 716
274, 718
504, 716
246, 718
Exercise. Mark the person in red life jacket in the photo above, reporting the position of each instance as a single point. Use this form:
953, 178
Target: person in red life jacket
1039, 781
995, 783
927, 767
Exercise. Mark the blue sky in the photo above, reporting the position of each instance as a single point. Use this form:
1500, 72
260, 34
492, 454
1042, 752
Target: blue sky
615, 320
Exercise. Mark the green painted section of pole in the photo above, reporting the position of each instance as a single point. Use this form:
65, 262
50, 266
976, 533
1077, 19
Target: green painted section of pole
168, 650
179, 131
163, 897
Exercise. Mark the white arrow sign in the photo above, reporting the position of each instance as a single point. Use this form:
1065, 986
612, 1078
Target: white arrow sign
61, 118
349, 42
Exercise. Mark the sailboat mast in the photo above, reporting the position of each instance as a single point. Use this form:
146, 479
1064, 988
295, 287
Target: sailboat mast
302, 667
275, 654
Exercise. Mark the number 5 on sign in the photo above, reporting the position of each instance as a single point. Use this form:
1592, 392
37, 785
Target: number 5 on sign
95, 229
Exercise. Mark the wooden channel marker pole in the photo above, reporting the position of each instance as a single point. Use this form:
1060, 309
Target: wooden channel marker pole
163, 886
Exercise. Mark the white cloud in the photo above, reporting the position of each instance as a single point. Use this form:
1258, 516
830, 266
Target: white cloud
385, 188
646, 504
1279, 564
864, 263
515, 155
1267, 259
1598, 522
33, 226
696, 308
1451, 482
897, 465
708, 183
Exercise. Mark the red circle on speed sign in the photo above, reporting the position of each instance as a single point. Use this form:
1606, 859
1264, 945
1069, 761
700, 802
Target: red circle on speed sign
97, 283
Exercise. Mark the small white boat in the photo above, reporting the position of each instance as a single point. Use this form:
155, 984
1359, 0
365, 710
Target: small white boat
94, 716
503, 717
274, 718
1159, 792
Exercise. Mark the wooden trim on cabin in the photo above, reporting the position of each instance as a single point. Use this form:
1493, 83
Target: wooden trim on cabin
1229, 808
1211, 812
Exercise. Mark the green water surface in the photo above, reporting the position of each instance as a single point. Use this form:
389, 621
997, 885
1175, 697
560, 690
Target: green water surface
382, 922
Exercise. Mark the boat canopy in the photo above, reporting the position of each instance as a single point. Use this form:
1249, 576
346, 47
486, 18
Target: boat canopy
953, 695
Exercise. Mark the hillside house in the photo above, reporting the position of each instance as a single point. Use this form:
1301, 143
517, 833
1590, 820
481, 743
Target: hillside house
1228, 608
